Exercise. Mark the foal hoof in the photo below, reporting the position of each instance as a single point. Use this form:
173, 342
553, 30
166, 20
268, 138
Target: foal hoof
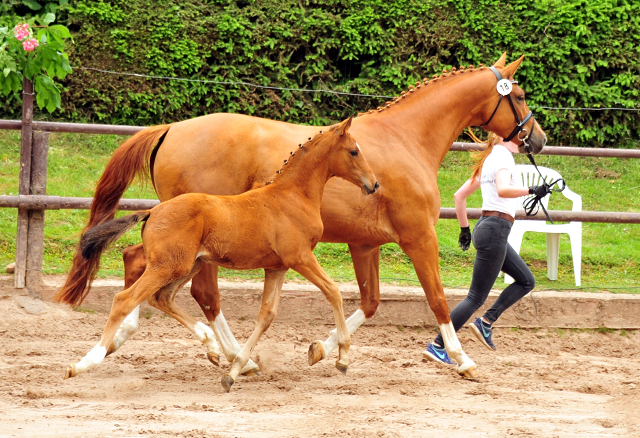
214, 358
469, 373
316, 352
226, 382
342, 368
71, 372
252, 372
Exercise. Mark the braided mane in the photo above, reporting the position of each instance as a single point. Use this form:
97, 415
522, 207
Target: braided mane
296, 156
425, 82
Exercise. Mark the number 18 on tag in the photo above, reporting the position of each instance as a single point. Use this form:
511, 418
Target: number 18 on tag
504, 87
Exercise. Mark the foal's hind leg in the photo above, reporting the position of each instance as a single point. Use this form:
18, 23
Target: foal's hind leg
123, 304
273, 280
134, 266
365, 263
204, 289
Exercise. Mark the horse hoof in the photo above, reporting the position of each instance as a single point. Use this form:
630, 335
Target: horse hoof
214, 358
226, 382
252, 372
342, 368
316, 352
469, 374
71, 372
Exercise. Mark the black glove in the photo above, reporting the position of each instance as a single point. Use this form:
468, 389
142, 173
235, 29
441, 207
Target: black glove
465, 238
540, 191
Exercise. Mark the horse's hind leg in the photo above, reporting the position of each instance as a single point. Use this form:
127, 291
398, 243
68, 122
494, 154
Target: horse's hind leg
134, 266
273, 280
204, 289
123, 304
365, 263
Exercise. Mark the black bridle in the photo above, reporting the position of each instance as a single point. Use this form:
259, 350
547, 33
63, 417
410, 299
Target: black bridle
531, 205
521, 123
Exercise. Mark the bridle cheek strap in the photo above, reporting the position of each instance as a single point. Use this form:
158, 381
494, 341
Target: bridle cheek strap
521, 123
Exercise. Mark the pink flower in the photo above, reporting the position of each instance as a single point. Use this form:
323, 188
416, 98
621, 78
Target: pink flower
21, 31
30, 44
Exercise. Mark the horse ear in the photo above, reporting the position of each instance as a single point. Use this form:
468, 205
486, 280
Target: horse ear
510, 70
500, 62
344, 126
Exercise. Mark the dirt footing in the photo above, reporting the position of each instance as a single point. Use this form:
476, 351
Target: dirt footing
399, 306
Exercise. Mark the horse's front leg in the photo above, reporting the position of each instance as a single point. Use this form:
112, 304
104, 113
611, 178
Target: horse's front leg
273, 281
204, 289
423, 252
366, 265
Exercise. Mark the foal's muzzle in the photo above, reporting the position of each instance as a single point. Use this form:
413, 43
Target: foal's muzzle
370, 191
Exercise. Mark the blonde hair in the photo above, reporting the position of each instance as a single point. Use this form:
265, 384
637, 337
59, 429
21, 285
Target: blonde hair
481, 155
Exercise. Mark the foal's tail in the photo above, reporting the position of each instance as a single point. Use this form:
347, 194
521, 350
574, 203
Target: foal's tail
130, 159
92, 244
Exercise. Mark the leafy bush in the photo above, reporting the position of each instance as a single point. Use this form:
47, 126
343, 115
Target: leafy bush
579, 53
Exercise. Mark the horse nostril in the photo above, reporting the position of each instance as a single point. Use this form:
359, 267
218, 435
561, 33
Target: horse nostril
376, 186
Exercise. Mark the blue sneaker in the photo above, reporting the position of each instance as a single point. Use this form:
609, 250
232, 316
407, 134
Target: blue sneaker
437, 354
482, 332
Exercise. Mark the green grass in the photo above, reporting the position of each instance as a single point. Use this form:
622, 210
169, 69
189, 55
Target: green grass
610, 260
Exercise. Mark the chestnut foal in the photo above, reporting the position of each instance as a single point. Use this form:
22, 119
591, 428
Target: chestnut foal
274, 227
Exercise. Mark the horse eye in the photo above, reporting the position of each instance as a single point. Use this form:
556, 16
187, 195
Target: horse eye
354, 153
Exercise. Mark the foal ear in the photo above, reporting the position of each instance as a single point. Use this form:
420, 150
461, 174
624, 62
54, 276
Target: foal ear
510, 70
344, 127
500, 62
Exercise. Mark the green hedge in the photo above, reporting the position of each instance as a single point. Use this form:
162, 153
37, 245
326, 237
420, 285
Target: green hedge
578, 53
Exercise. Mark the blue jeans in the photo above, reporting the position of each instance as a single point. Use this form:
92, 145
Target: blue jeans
494, 254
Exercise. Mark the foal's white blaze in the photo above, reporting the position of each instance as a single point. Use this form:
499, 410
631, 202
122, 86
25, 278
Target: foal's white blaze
228, 342
128, 327
353, 323
454, 349
91, 360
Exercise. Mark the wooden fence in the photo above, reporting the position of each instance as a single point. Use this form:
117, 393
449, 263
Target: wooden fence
32, 200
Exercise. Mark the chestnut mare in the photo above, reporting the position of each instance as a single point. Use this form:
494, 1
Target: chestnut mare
274, 227
405, 141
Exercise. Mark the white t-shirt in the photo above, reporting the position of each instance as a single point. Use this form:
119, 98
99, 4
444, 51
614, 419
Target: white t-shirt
499, 158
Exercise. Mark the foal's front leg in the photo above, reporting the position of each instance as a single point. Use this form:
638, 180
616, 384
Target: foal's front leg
309, 268
204, 289
270, 298
366, 266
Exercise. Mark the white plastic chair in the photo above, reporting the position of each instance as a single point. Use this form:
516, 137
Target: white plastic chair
530, 177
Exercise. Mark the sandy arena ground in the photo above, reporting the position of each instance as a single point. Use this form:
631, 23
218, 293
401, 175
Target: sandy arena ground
543, 383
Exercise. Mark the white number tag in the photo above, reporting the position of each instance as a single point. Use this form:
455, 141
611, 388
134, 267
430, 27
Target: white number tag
504, 87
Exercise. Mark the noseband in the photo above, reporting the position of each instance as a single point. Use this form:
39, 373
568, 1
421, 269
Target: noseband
532, 204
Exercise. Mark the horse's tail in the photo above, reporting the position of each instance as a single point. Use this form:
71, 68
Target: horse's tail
130, 159
92, 244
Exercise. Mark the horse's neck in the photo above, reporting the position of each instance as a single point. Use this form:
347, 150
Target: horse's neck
436, 114
306, 173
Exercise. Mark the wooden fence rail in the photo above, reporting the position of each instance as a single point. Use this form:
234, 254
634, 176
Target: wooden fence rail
32, 200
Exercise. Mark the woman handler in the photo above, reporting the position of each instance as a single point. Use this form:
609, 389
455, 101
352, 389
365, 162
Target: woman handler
494, 172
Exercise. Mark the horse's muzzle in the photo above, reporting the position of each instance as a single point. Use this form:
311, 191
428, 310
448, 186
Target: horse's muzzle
370, 191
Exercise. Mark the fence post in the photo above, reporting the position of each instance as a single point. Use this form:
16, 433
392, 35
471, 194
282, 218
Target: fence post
35, 235
25, 183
